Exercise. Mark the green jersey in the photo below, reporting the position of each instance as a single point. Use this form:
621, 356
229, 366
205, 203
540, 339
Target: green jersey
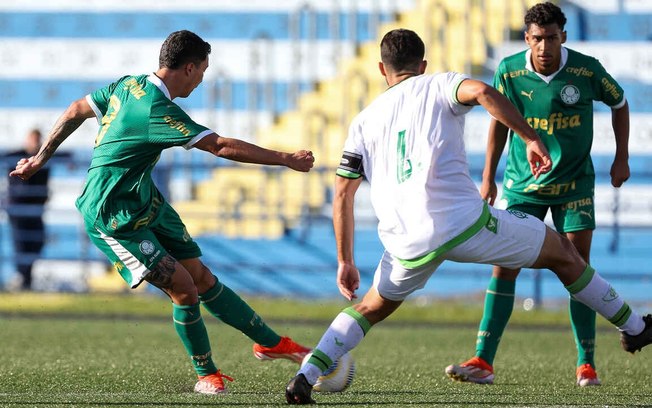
137, 122
560, 108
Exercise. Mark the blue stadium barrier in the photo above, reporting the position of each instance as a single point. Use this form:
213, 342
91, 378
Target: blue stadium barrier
307, 268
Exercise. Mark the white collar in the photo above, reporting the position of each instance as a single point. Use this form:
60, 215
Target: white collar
160, 84
546, 78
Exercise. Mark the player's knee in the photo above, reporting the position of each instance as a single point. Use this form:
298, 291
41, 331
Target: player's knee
557, 252
205, 279
201, 275
185, 298
564, 259
568, 253
505, 273
183, 291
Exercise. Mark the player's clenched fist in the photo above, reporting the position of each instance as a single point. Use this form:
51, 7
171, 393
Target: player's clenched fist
302, 160
25, 168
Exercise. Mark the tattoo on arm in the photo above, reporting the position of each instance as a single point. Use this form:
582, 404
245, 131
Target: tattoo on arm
61, 130
161, 275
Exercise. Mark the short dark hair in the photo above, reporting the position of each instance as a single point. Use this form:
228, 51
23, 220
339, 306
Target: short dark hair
402, 49
183, 47
544, 14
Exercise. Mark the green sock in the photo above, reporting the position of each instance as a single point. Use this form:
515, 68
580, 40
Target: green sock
582, 320
227, 306
498, 305
190, 327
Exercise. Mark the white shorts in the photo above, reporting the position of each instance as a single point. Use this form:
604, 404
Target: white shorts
516, 244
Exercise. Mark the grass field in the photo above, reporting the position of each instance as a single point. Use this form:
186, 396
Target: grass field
107, 351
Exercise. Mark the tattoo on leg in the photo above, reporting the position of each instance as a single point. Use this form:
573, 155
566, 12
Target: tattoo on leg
161, 275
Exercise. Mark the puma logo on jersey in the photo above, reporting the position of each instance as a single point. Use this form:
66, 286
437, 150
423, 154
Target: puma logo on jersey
529, 95
586, 214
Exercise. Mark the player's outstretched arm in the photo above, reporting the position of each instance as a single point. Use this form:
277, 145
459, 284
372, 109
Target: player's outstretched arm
620, 167
348, 276
68, 122
241, 151
474, 92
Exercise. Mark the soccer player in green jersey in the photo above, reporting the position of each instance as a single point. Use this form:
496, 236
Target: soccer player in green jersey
554, 88
130, 220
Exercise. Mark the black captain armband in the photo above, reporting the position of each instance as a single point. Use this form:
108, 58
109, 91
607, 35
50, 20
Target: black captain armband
350, 166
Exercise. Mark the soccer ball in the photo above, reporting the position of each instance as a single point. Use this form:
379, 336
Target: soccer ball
338, 377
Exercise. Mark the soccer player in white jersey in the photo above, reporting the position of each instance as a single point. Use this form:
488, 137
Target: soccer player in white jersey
408, 143
129, 220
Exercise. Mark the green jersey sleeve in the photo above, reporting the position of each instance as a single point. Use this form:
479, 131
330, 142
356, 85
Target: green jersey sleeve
170, 125
100, 98
606, 88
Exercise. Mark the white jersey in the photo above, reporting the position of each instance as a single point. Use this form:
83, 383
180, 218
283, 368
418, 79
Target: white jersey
409, 145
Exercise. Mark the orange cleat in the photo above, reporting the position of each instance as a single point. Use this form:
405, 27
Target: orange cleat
286, 348
212, 383
586, 375
475, 370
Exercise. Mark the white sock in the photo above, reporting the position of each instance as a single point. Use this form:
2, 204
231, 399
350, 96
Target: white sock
634, 325
598, 294
342, 335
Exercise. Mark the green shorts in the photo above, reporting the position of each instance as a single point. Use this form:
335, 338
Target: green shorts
577, 215
135, 253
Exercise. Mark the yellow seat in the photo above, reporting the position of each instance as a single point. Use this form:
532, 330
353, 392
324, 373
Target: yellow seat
198, 216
